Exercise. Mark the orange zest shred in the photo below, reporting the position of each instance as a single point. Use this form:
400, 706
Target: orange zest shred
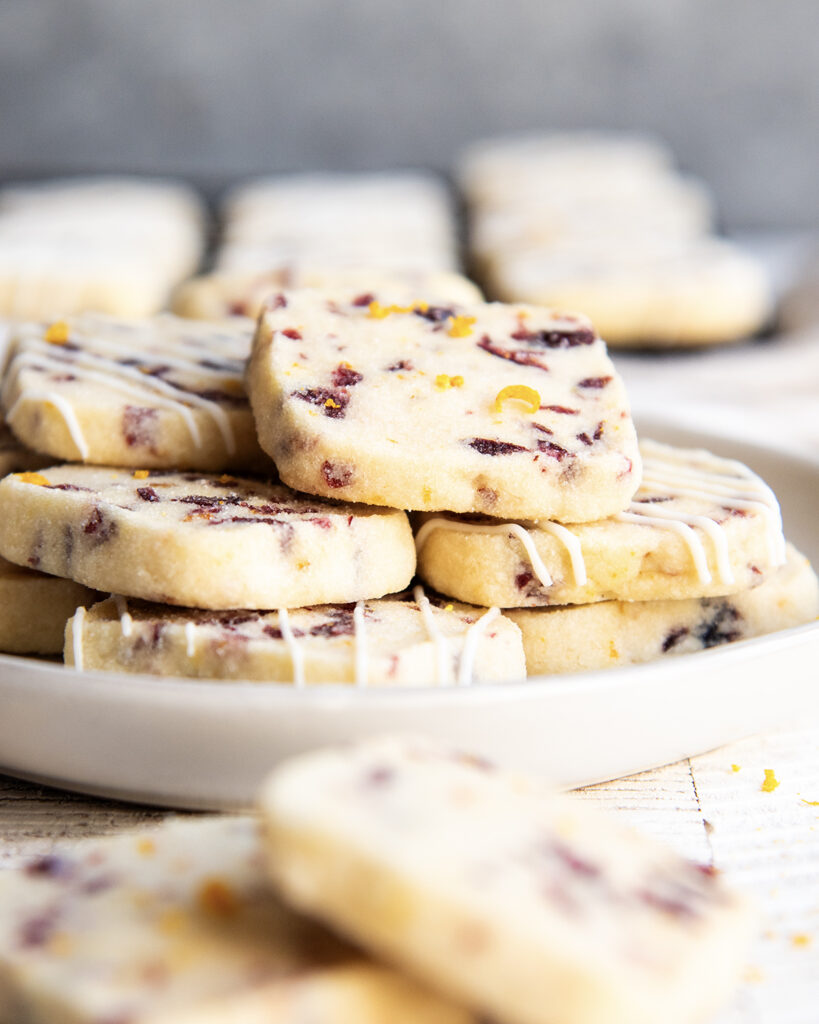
810, 803
33, 478
736, 767
801, 939
520, 392
146, 847
461, 326
140, 474
57, 333
771, 782
378, 312
330, 404
226, 478
216, 897
443, 381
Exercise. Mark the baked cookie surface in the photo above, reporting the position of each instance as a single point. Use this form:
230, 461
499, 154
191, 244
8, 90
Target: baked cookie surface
156, 392
206, 542
699, 525
529, 907
373, 643
176, 924
581, 637
510, 411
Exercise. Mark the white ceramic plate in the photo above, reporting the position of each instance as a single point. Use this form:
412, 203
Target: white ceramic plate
208, 745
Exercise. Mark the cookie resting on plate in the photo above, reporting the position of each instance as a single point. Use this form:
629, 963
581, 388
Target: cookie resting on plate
699, 526
529, 907
162, 391
505, 410
203, 542
373, 643
176, 925
575, 638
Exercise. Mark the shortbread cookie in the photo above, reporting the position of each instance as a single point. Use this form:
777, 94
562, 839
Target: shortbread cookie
531, 908
157, 392
373, 643
204, 542
699, 526
34, 609
220, 295
177, 925
659, 294
455, 407
580, 637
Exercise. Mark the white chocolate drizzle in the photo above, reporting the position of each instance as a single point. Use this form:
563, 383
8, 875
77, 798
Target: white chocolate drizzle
77, 624
190, 639
473, 635
296, 653
515, 529
360, 641
126, 623
674, 525
435, 635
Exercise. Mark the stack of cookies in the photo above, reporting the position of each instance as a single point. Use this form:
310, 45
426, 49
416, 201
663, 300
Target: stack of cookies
390, 883
603, 223
359, 232
251, 521
117, 245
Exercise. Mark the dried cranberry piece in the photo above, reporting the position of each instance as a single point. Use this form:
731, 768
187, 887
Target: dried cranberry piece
99, 526
720, 628
435, 314
292, 333
336, 474
556, 339
554, 451
488, 446
561, 409
402, 364
514, 355
139, 425
148, 494
673, 638
366, 299
332, 401
346, 376
593, 382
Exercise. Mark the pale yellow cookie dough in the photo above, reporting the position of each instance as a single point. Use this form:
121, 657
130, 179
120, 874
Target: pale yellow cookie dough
699, 526
161, 391
581, 637
528, 907
377, 643
204, 542
451, 407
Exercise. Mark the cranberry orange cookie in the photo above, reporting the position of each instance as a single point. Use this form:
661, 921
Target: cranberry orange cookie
205, 542
34, 609
157, 392
221, 295
373, 643
175, 925
579, 637
530, 908
698, 526
511, 411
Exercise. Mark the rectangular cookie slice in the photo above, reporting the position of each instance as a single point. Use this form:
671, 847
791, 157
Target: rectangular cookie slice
443, 407
529, 907
178, 926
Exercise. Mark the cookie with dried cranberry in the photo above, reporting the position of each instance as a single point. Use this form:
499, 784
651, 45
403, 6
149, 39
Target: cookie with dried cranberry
34, 609
221, 295
576, 638
529, 908
203, 542
373, 643
474, 408
162, 391
699, 526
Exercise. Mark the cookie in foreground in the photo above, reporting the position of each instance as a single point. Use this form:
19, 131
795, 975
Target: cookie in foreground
373, 643
177, 926
201, 541
443, 407
699, 526
530, 907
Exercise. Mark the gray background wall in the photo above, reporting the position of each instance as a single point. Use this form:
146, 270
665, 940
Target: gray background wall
223, 88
